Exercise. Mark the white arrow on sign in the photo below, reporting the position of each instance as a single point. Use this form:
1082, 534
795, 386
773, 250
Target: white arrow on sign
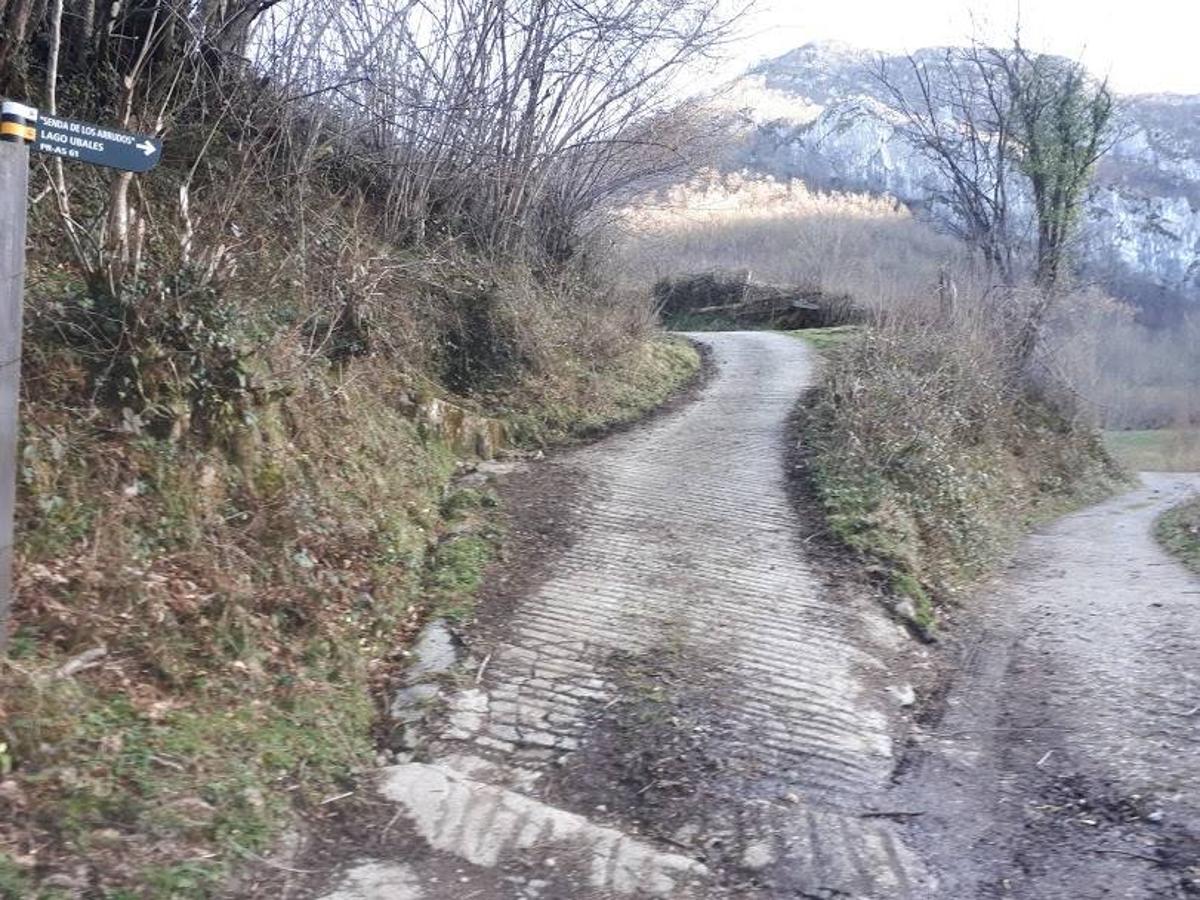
146, 147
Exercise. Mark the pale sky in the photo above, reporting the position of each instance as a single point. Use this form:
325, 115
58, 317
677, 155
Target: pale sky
1143, 45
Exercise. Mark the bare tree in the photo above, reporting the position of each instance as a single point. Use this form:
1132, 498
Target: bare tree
998, 122
489, 118
957, 113
500, 125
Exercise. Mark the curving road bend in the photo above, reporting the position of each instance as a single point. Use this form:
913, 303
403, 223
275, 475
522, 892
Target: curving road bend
678, 708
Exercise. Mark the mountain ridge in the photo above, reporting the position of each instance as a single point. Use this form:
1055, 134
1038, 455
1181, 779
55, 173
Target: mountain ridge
817, 113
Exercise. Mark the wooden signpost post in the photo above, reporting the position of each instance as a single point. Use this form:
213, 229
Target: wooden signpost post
22, 129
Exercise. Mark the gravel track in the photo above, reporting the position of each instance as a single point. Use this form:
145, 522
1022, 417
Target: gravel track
1067, 761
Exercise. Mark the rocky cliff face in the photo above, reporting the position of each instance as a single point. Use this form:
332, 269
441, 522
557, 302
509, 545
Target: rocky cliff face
818, 113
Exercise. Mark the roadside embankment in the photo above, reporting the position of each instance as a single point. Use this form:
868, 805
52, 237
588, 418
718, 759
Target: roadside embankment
236, 509
929, 459
1178, 530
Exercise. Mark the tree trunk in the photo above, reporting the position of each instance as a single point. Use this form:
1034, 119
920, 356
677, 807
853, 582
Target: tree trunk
1031, 331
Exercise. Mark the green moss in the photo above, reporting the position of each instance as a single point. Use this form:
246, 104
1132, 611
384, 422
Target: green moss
143, 771
460, 503
181, 881
457, 573
925, 617
15, 883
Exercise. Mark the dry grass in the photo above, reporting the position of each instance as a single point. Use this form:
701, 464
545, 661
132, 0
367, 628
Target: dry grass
868, 247
1156, 450
930, 457
1134, 376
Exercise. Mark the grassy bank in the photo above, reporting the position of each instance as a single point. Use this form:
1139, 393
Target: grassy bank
201, 633
830, 338
929, 462
1179, 531
235, 510
1157, 450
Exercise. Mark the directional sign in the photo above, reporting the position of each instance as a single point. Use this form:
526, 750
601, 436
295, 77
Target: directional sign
96, 144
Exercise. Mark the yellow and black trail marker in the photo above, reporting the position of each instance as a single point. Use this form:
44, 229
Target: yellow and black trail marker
18, 123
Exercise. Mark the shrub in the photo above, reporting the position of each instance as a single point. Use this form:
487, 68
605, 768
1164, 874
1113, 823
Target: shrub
1178, 530
930, 456
169, 354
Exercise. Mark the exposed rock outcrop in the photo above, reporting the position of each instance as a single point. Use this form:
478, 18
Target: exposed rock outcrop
819, 114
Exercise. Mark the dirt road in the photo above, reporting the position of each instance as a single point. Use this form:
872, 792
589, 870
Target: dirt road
1067, 761
668, 700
